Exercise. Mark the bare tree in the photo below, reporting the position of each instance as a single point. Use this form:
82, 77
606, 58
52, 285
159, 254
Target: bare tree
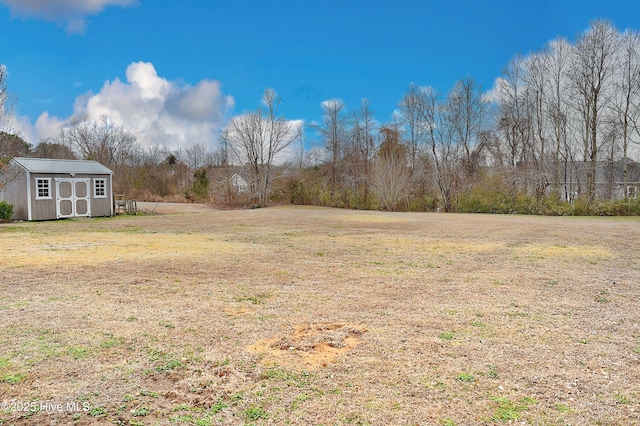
100, 140
103, 141
257, 139
333, 131
537, 83
556, 59
196, 155
4, 98
392, 176
226, 188
441, 145
8, 139
364, 143
515, 115
411, 114
592, 71
627, 103
299, 153
466, 109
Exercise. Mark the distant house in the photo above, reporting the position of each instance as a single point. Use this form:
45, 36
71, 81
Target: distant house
239, 183
610, 180
46, 189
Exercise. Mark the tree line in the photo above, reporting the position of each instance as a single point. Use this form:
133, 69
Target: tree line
561, 126
559, 133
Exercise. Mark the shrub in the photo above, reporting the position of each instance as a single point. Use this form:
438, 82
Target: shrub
581, 207
491, 195
6, 210
616, 208
423, 203
296, 192
200, 188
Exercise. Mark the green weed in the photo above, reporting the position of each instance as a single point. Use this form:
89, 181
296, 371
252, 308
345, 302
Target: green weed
217, 407
507, 410
14, 379
98, 412
255, 300
171, 365
283, 375
237, 397
112, 341
298, 399
140, 412
465, 377
620, 399
77, 352
447, 336
255, 413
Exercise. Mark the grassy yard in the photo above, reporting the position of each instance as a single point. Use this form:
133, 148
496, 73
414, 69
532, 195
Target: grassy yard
294, 315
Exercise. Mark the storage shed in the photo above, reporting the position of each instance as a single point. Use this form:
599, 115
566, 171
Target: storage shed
45, 189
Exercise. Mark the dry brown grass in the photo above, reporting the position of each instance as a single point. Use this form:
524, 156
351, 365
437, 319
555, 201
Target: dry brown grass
320, 316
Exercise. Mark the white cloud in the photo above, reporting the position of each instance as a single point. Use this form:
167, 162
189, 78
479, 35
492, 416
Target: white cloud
157, 111
72, 12
332, 103
20, 126
493, 95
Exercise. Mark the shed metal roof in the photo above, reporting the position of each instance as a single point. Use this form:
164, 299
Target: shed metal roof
50, 165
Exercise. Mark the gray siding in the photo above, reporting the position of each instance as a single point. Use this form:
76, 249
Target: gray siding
21, 190
46, 209
15, 191
101, 206
43, 209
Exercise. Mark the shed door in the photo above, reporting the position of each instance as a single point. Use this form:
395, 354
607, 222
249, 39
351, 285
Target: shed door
72, 197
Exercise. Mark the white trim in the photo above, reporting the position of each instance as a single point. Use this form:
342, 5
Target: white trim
50, 189
104, 187
59, 197
87, 198
73, 198
110, 189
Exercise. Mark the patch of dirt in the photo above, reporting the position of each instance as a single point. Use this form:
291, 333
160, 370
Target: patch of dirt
235, 312
309, 346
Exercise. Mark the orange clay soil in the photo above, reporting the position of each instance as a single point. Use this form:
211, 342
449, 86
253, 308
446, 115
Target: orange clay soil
309, 346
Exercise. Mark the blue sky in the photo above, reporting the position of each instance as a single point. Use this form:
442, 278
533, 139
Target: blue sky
175, 72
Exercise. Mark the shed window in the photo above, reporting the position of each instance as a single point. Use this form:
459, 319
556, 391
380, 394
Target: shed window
43, 188
99, 188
